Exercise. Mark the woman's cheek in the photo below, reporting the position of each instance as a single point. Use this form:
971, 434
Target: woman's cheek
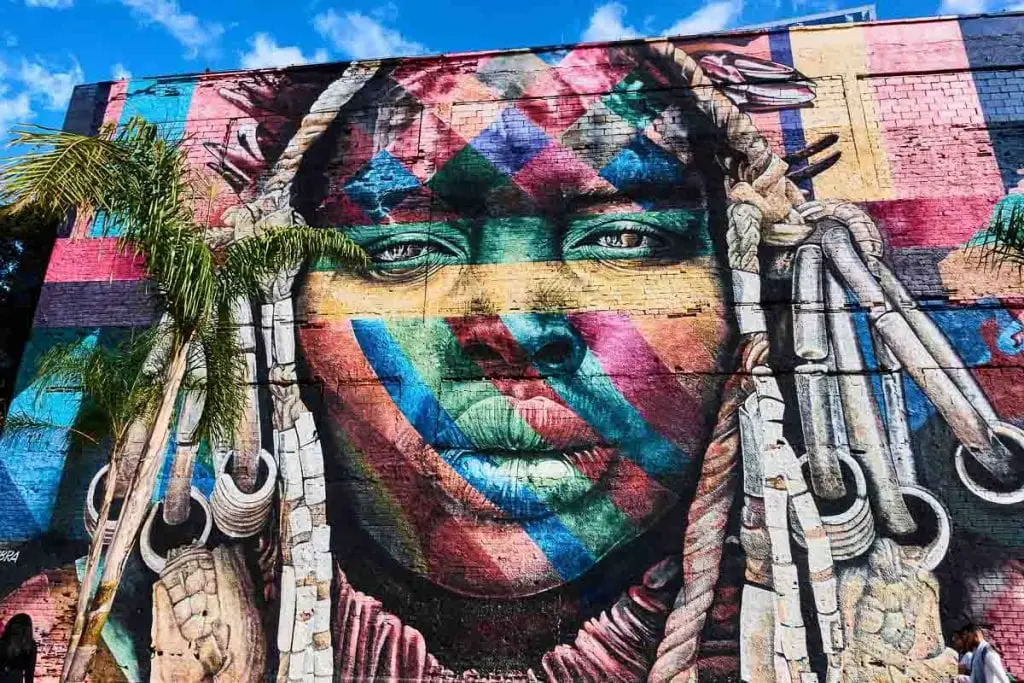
671, 348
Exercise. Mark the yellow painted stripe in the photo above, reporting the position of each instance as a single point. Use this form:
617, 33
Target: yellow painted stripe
691, 288
843, 105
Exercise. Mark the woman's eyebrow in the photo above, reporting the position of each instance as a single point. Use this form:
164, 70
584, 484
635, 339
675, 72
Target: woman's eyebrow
362, 233
371, 231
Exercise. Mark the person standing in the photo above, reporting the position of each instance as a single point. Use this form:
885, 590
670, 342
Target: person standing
17, 650
986, 664
965, 656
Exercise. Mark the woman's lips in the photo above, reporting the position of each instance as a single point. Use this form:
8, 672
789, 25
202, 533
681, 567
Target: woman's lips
528, 457
529, 425
524, 485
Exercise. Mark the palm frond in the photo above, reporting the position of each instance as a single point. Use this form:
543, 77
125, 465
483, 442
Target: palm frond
130, 174
1004, 239
24, 425
116, 386
181, 266
64, 170
251, 261
223, 385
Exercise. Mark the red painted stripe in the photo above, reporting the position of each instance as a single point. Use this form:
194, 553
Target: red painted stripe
931, 222
92, 260
635, 493
639, 375
408, 468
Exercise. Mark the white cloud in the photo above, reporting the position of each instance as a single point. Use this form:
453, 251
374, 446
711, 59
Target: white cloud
978, 6
607, 24
264, 52
608, 21
362, 37
188, 29
119, 73
52, 4
714, 16
13, 110
386, 12
52, 87
963, 6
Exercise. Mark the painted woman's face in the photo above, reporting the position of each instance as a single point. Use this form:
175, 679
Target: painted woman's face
521, 381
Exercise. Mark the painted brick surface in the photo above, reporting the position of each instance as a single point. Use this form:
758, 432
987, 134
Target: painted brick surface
613, 401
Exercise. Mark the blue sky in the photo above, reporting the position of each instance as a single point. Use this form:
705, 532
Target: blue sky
48, 46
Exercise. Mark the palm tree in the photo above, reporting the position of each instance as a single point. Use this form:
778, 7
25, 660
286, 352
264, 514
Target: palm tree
120, 389
1004, 239
143, 184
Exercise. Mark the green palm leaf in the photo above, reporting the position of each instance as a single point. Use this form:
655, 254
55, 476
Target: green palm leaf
145, 187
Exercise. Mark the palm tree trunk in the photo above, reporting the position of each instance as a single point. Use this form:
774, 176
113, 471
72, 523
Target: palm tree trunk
92, 561
178, 497
133, 513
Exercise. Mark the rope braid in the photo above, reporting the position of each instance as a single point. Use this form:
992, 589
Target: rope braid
760, 194
306, 568
765, 207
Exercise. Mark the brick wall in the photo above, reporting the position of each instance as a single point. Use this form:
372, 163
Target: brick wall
550, 225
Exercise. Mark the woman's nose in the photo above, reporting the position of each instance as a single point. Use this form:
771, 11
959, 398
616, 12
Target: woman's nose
546, 342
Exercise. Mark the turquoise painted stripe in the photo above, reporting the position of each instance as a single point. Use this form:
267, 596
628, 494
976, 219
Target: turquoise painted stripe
165, 103
590, 393
566, 553
34, 462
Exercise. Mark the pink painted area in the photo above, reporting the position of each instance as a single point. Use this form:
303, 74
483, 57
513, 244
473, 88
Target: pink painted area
629, 480
1000, 592
33, 598
638, 373
115, 102
590, 70
216, 119
932, 126
931, 222
92, 260
911, 47
556, 172
934, 138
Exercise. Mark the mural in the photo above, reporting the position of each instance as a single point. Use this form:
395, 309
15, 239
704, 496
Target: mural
672, 362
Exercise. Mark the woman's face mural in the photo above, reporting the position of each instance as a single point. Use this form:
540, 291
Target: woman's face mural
539, 328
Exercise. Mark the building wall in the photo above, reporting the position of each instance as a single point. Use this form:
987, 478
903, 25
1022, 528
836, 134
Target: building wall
541, 420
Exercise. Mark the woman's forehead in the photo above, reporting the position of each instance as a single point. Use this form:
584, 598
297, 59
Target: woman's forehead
592, 132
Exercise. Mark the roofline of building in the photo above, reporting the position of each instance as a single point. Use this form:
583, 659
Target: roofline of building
794, 22
750, 30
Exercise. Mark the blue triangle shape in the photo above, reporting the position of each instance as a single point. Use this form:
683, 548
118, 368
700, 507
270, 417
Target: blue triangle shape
16, 521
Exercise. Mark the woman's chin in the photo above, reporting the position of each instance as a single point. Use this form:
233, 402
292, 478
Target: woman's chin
486, 556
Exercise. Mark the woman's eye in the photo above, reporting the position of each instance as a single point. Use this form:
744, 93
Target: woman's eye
402, 252
408, 257
627, 240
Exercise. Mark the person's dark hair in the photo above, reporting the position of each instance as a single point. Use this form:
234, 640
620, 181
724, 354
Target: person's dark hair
17, 645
